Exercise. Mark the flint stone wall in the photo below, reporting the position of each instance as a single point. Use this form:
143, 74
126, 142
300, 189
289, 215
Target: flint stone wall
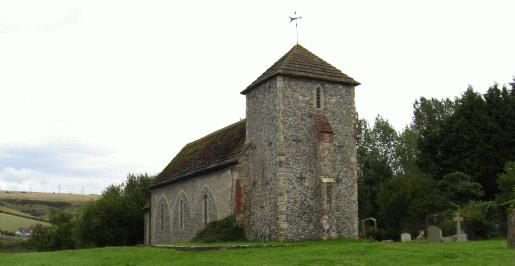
282, 185
218, 186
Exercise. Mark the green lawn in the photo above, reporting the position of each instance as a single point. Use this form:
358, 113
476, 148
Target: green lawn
334, 252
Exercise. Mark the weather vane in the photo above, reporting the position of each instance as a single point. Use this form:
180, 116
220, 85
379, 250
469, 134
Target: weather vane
292, 19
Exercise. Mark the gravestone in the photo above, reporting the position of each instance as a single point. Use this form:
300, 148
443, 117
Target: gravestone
459, 237
405, 237
447, 239
458, 221
511, 229
434, 234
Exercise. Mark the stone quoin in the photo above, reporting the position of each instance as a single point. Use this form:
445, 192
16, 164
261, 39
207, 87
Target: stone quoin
288, 171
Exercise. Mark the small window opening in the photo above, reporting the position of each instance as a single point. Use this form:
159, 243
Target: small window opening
318, 96
205, 210
162, 212
181, 215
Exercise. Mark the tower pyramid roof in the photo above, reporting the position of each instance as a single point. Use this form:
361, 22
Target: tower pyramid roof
299, 62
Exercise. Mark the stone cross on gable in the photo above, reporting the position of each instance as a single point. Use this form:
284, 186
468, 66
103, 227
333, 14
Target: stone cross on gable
458, 219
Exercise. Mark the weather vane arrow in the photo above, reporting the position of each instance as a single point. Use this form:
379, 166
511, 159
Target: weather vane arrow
295, 18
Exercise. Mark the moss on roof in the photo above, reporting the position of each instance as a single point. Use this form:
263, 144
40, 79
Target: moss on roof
218, 149
299, 62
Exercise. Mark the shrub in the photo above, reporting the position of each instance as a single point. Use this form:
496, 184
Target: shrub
58, 236
14, 245
116, 219
40, 239
223, 230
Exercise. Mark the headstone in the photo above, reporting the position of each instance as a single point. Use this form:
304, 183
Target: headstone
447, 239
387, 241
459, 238
458, 219
405, 237
511, 229
434, 234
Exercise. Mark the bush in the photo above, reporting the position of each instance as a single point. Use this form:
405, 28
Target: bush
40, 239
223, 230
14, 245
116, 219
58, 236
448, 227
390, 233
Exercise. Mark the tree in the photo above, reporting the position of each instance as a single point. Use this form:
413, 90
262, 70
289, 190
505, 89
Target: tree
506, 183
57, 236
117, 218
406, 151
377, 143
459, 189
429, 115
477, 139
407, 196
374, 173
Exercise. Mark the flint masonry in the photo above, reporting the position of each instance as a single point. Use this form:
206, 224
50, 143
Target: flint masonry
288, 171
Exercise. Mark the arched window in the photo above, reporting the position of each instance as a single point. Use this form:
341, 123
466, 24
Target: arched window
205, 210
181, 215
162, 214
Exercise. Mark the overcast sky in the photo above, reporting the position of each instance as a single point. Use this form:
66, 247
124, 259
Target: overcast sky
93, 90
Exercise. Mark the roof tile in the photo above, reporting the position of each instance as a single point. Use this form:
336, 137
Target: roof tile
299, 62
215, 150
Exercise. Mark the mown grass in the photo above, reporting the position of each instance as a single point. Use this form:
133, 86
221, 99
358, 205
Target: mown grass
11, 223
333, 252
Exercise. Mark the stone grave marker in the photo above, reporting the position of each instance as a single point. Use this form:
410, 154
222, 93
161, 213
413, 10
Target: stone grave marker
459, 237
458, 219
511, 229
405, 237
434, 234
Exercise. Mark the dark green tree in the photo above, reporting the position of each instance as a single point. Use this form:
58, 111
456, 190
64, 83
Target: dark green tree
407, 196
375, 172
506, 183
117, 218
477, 139
57, 236
459, 189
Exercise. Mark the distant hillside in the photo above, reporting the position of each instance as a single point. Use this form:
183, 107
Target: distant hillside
40, 205
11, 223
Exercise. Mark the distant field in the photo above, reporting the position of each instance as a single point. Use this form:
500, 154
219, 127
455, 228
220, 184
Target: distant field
40, 205
5, 194
12, 223
15, 212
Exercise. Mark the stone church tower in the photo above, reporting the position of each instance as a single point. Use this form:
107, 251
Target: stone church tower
298, 176
288, 171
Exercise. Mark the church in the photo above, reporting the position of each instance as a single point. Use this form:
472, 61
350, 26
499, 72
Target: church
288, 170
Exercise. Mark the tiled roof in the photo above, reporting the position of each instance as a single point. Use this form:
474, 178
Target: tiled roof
213, 151
299, 62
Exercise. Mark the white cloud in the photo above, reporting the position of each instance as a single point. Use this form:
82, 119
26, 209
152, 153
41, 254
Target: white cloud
12, 175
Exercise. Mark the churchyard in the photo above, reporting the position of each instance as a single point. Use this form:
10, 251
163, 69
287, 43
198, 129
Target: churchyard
330, 252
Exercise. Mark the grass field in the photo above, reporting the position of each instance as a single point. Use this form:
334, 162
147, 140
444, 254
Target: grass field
40, 205
333, 252
15, 212
11, 223
7, 194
